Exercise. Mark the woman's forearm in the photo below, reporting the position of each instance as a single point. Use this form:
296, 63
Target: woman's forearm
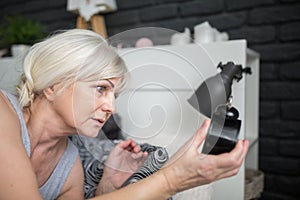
186, 169
155, 187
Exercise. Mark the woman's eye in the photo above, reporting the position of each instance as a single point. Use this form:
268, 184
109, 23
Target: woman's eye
101, 88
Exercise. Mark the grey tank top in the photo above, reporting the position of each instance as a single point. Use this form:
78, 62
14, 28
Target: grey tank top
52, 188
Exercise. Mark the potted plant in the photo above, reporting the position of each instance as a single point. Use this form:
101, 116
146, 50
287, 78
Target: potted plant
18, 33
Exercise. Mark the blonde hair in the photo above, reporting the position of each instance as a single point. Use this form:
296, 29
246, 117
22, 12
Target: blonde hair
73, 55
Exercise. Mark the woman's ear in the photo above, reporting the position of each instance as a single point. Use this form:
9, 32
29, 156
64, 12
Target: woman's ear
50, 92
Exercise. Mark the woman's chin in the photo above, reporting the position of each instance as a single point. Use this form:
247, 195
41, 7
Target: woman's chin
89, 133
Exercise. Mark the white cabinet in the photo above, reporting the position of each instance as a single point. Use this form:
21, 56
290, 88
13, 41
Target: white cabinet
155, 109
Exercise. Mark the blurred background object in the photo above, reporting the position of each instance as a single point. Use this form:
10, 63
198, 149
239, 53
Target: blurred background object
18, 33
89, 11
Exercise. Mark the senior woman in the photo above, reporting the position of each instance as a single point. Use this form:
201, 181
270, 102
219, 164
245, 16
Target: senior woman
68, 87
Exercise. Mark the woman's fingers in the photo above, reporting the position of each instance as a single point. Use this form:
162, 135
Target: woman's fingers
200, 134
139, 155
245, 147
234, 158
129, 145
139, 158
125, 144
240, 152
136, 148
227, 164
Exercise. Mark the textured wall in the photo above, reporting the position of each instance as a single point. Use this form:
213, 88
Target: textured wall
272, 27
51, 13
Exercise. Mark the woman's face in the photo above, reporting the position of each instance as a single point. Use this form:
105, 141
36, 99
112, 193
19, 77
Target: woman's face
93, 103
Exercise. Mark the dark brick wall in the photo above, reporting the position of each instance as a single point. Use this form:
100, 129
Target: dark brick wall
272, 27
51, 13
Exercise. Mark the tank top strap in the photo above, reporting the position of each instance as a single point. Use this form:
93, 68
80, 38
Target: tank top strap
52, 188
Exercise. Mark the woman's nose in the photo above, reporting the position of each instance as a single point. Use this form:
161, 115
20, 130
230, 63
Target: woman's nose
109, 104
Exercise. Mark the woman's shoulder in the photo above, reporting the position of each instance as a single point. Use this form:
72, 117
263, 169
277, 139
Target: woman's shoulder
9, 121
6, 105
14, 155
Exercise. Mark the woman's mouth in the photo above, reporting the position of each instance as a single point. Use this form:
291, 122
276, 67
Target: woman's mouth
100, 122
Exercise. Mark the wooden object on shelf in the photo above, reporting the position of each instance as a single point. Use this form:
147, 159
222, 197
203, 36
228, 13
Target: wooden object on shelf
97, 24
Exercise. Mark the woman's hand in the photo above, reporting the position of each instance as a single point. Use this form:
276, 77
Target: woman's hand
125, 159
188, 168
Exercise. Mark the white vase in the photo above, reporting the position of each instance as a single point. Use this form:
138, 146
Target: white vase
204, 33
18, 50
181, 38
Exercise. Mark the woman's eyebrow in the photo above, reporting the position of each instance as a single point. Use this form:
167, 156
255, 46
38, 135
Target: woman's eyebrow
110, 83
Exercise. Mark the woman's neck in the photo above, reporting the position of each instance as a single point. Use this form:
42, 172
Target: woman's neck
45, 128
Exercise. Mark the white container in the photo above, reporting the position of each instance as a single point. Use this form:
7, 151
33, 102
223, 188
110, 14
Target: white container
204, 33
